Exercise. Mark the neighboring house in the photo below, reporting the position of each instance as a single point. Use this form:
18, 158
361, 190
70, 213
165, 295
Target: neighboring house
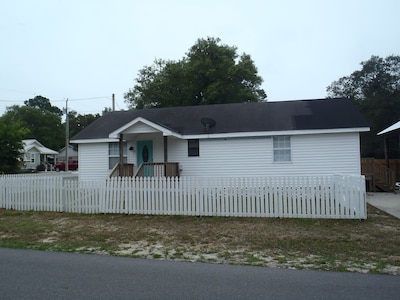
393, 130
35, 154
307, 137
72, 154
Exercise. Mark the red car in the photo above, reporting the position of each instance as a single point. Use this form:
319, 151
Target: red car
72, 166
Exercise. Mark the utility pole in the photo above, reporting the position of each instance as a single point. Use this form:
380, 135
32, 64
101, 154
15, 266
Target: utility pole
113, 102
66, 135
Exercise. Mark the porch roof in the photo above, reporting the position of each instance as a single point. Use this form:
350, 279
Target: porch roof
320, 114
393, 129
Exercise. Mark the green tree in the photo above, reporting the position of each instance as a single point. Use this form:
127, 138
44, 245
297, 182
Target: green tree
210, 73
11, 150
376, 91
43, 104
106, 110
42, 125
78, 122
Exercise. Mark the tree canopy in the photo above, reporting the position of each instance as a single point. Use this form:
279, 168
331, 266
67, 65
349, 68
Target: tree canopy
210, 73
77, 122
376, 90
11, 135
41, 120
43, 104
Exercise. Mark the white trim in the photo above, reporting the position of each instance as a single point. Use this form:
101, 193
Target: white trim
120, 130
274, 133
395, 126
92, 141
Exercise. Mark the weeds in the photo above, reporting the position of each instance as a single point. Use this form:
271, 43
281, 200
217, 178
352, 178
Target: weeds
371, 245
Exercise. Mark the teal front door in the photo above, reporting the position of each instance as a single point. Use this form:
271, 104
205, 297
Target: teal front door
145, 155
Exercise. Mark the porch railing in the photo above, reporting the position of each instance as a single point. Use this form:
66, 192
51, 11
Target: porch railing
122, 170
158, 169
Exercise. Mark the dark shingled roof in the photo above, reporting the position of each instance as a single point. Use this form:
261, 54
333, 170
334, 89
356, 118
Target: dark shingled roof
237, 117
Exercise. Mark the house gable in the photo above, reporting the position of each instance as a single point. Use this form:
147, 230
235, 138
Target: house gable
31, 144
140, 125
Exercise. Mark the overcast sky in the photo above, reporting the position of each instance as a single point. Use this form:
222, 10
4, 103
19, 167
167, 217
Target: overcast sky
86, 50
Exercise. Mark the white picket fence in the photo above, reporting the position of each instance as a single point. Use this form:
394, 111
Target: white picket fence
335, 196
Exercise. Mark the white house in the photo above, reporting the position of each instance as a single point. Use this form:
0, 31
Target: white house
36, 154
304, 137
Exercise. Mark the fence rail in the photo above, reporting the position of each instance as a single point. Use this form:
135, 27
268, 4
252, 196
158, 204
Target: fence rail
336, 196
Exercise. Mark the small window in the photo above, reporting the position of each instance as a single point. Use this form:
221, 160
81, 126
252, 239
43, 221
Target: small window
282, 149
193, 148
33, 158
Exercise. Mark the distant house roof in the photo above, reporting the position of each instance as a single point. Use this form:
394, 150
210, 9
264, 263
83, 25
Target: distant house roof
69, 147
35, 144
237, 118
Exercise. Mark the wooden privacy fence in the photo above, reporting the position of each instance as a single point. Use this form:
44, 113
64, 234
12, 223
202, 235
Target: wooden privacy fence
335, 196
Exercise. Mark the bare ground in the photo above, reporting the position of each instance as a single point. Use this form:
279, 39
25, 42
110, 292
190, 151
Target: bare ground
371, 245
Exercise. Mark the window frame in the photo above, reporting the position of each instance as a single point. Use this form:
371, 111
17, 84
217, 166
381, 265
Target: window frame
282, 149
113, 157
193, 147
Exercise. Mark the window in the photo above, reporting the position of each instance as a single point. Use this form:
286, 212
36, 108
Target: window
33, 158
113, 154
193, 148
282, 149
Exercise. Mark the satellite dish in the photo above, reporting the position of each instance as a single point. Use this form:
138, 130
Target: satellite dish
208, 123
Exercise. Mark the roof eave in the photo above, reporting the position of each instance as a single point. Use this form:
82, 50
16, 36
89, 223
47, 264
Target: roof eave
237, 134
93, 141
394, 127
275, 133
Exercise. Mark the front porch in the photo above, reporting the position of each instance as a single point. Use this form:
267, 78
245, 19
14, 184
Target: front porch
143, 151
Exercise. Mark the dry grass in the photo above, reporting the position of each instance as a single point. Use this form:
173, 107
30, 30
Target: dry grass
372, 245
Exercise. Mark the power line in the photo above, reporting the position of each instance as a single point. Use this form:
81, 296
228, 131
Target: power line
92, 111
61, 100
11, 100
91, 98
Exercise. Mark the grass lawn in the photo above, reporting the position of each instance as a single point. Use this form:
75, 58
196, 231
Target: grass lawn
371, 245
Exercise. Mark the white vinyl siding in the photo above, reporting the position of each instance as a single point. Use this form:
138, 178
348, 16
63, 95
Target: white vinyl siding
222, 157
311, 154
314, 154
327, 154
93, 161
